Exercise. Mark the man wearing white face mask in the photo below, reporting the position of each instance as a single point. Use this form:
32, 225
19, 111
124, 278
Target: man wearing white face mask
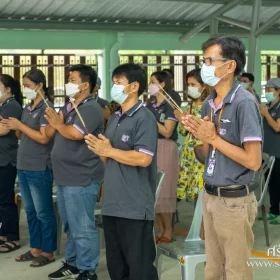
129, 148
78, 174
247, 81
231, 132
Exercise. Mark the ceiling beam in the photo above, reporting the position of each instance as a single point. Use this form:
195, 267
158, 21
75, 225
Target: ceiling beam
268, 24
118, 27
235, 22
266, 3
206, 22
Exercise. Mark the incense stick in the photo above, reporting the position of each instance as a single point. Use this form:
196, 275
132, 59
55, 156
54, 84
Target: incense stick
78, 113
43, 98
170, 100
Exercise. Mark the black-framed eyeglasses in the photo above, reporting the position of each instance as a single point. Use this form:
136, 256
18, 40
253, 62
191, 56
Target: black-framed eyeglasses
208, 60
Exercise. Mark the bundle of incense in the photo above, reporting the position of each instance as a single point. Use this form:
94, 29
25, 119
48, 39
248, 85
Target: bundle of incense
170, 100
78, 113
43, 98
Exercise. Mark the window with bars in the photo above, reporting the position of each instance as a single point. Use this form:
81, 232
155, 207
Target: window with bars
55, 68
180, 64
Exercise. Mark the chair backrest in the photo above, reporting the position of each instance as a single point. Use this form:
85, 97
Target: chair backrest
194, 233
262, 177
160, 177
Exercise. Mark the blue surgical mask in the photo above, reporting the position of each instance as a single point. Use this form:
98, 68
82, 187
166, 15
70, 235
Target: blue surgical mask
208, 75
117, 93
270, 97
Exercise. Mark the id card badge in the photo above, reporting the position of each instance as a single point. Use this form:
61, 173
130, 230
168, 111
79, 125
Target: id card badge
211, 165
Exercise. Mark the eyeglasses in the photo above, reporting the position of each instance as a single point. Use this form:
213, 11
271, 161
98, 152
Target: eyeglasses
208, 60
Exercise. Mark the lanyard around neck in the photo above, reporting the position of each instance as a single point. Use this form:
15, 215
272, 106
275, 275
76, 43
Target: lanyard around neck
219, 120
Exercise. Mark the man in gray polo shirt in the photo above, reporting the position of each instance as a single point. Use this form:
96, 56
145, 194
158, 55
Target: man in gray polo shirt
129, 148
231, 131
78, 174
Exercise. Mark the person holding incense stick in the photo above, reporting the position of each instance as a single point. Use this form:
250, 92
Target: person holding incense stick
167, 156
10, 106
129, 148
78, 173
34, 171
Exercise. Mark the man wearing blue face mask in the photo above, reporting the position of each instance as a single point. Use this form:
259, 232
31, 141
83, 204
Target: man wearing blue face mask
78, 173
271, 124
129, 148
231, 132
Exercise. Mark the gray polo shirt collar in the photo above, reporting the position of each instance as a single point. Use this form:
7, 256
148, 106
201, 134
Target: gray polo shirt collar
228, 99
39, 105
7, 101
70, 108
132, 110
275, 106
161, 104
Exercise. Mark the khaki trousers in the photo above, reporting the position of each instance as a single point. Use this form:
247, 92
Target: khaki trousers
228, 236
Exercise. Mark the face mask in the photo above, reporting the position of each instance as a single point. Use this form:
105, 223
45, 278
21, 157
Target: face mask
72, 89
153, 89
245, 85
270, 97
117, 93
194, 93
30, 93
1, 93
208, 74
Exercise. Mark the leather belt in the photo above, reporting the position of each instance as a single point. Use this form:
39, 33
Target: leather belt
240, 191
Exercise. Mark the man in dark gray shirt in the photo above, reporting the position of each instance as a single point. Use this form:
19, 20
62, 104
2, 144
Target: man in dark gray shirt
129, 148
78, 173
231, 131
271, 125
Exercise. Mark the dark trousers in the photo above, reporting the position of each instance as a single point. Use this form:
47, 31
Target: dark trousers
274, 188
130, 249
9, 223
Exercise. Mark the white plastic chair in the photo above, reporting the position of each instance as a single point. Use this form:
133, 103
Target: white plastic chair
188, 253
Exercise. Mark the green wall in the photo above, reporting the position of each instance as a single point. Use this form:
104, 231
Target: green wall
107, 41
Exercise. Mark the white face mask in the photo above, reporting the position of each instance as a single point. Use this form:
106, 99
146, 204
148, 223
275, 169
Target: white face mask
72, 89
245, 85
194, 93
30, 93
208, 74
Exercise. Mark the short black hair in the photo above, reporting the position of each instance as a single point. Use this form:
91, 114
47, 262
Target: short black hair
250, 76
171, 73
86, 73
163, 76
134, 73
231, 48
195, 73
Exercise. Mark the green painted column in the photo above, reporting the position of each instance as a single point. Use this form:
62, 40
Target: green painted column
258, 72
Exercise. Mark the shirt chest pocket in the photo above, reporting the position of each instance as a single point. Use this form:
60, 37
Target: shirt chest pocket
32, 120
125, 140
225, 130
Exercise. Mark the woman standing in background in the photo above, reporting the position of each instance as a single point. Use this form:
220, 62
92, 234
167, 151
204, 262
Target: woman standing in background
10, 107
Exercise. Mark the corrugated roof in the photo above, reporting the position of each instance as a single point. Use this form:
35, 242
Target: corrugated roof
147, 15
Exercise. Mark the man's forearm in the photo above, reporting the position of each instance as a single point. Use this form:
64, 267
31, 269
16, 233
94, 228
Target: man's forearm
132, 158
250, 160
273, 124
69, 132
50, 131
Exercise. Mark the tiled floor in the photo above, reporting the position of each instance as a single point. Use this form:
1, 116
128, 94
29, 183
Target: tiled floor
10, 270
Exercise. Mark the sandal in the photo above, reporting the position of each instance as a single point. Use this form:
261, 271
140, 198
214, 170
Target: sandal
26, 257
2, 242
158, 239
165, 240
42, 261
10, 248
